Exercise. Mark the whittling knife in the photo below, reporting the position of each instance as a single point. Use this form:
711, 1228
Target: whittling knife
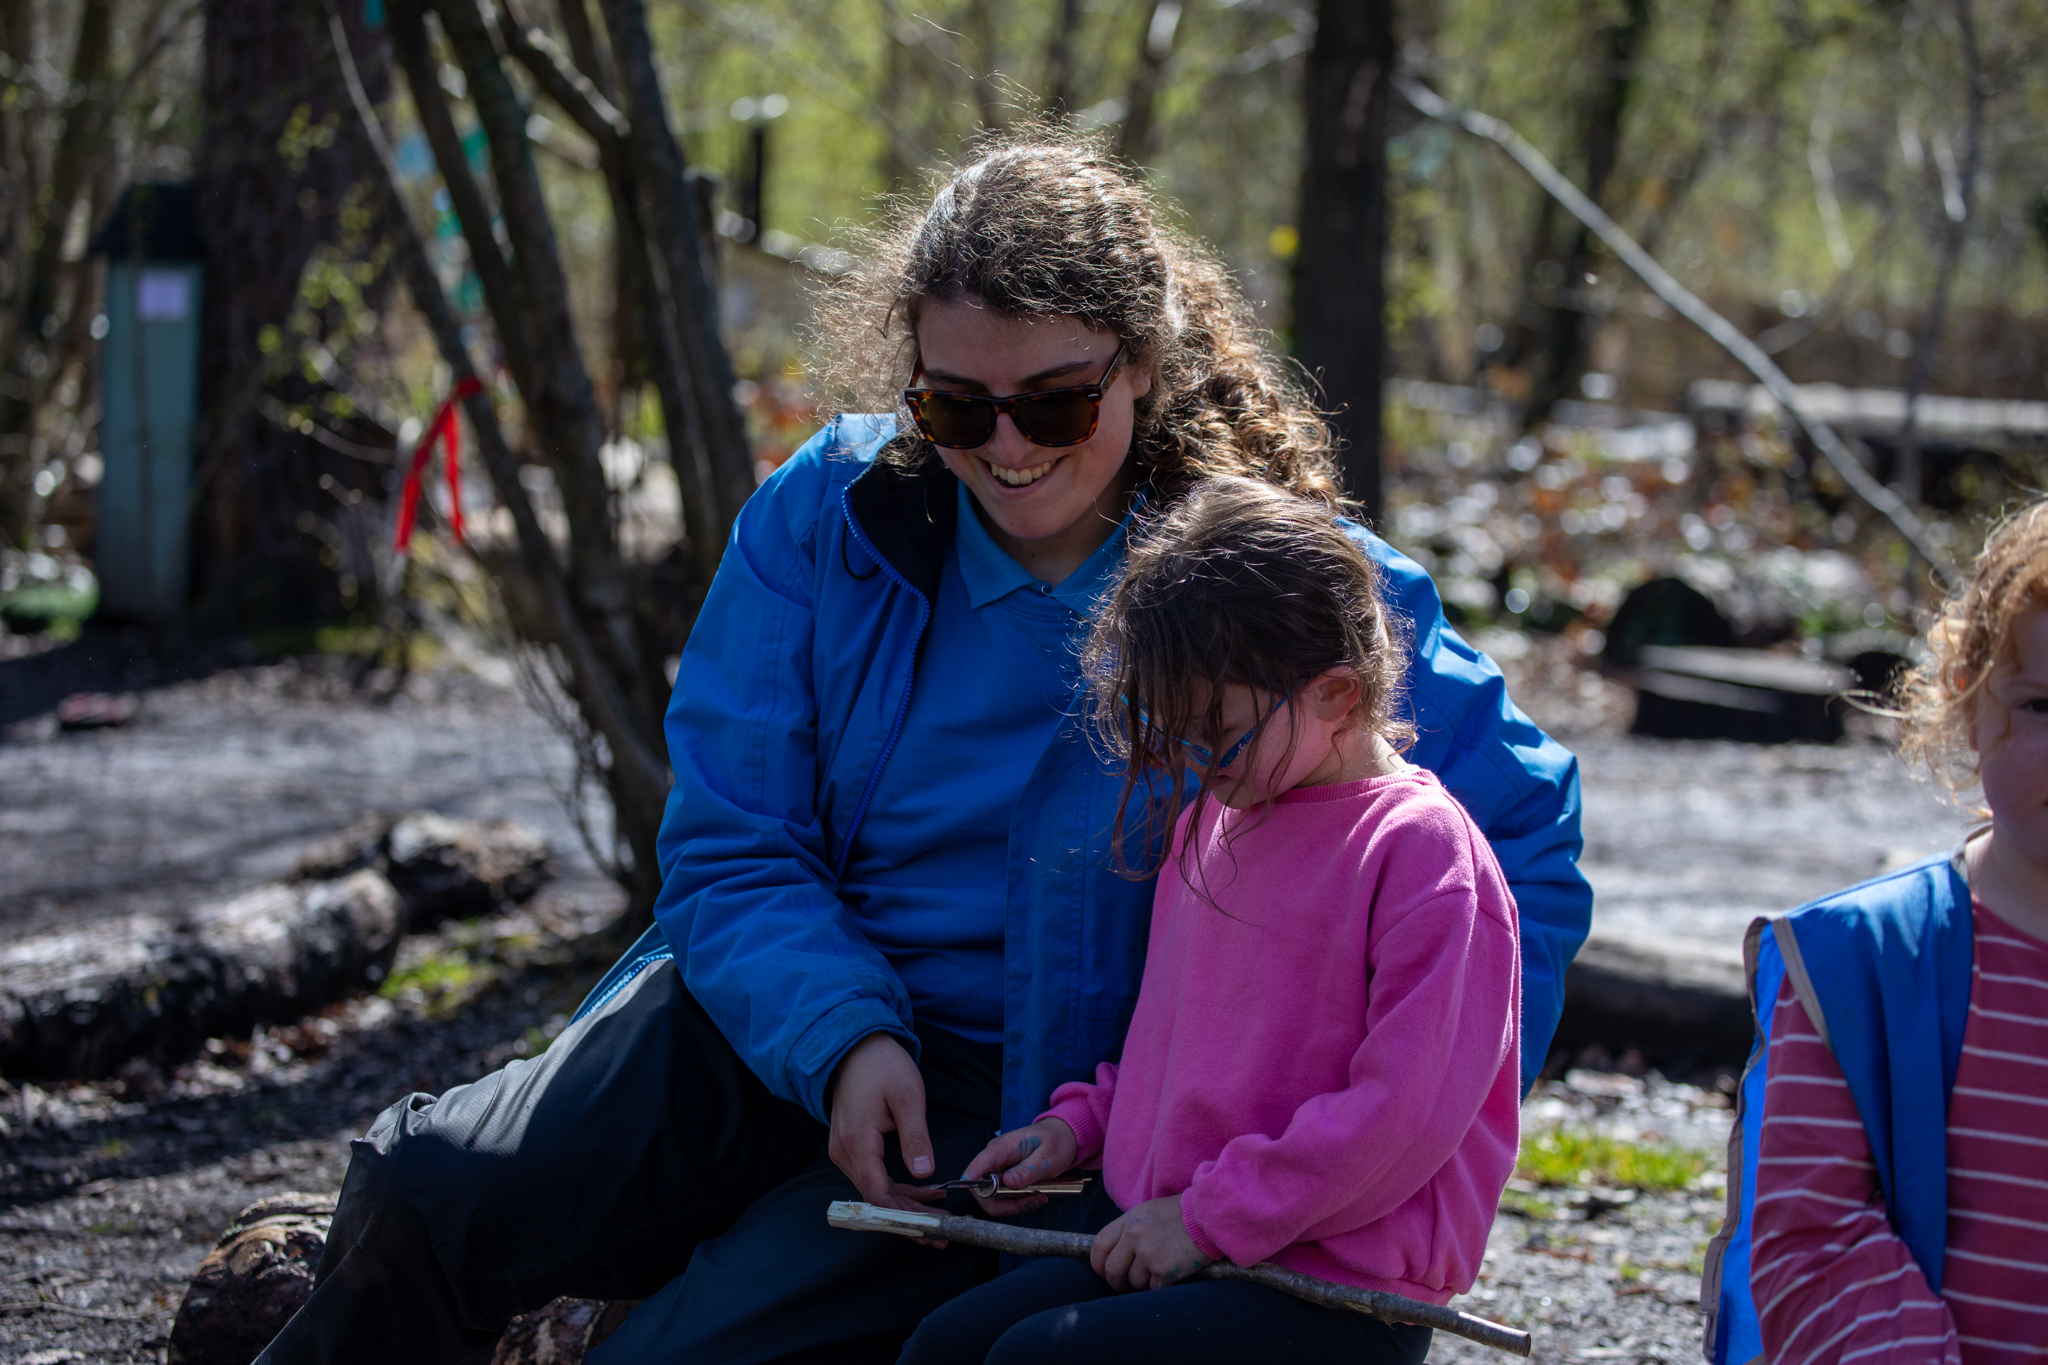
989, 1188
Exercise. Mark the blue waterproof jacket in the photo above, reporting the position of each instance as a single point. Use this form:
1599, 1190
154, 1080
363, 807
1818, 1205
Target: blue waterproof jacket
1883, 971
789, 700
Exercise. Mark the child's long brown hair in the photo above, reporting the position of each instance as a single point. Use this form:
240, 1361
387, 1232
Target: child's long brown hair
1939, 699
1236, 582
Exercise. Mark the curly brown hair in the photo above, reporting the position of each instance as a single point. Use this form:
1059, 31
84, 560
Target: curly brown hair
1236, 582
1045, 222
1939, 699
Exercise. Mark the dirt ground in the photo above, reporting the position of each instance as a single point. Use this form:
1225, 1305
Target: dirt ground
110, 1193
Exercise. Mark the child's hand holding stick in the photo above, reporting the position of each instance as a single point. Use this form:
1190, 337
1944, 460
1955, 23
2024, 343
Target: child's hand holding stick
1040, 1242
1147, 1248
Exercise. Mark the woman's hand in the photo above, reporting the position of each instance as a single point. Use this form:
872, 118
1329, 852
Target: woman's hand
877, 1090
1147, 1248
1025, 1156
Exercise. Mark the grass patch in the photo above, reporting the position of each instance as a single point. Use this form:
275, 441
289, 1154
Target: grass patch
358, 641
1561, 1158
1535, 1208
442, 982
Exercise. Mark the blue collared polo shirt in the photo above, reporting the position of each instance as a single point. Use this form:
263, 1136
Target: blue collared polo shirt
927, 880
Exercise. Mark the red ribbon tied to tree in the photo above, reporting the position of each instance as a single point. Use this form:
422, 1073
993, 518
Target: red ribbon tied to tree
442, 428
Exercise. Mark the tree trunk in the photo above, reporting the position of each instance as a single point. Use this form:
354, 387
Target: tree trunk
1155, 45
272, 177
1956, 203
1339, 279
1558, 343
1056, 85
50, 300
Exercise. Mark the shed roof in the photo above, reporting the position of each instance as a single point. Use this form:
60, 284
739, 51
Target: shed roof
155, 219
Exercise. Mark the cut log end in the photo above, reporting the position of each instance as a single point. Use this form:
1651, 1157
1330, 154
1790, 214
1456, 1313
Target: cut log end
261, 1272
251, 1283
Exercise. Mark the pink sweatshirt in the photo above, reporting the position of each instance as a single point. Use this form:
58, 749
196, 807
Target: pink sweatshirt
1325, 1061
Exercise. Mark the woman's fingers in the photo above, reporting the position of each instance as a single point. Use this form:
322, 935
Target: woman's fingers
858, 1153
906, 1111
876, 1090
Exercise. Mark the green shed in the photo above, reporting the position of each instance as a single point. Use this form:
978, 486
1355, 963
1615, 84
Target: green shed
149, 401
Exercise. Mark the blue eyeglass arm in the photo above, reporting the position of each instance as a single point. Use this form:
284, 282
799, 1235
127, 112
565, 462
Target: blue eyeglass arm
1202, 752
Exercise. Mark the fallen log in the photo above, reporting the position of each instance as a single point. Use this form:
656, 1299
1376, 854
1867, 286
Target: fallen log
1751, 695
442, 868
261, 1272
79, 1003
1680, 1002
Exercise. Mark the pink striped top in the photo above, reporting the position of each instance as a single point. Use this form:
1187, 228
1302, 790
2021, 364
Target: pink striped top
1832, 1281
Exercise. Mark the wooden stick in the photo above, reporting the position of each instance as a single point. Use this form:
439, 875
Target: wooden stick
981, 1232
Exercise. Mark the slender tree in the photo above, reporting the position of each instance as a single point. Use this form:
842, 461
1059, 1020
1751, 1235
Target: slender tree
584, 603
1555, 347
1339, 273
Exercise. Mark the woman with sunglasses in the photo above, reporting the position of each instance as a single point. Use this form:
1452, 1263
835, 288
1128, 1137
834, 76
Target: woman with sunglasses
892, 919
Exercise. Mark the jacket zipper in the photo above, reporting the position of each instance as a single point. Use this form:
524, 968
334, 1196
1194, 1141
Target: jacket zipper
924, 616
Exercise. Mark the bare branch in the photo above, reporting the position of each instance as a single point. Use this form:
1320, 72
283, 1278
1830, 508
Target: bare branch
678, 249
561, 82
1693, 309
414, 51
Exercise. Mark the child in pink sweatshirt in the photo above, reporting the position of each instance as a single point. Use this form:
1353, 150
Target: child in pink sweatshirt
1322, 1070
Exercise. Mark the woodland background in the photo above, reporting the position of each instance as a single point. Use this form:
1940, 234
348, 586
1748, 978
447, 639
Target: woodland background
1860, 187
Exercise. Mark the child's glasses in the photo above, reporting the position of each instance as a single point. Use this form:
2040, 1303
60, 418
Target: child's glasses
1050, 417
1206, 759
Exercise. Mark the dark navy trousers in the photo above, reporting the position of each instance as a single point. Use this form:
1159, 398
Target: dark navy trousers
638, 1146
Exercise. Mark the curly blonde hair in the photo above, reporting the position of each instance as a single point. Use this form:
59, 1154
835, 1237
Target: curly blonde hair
1939, 700
1044, 222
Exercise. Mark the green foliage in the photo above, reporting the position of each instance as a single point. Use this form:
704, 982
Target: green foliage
442, 983
1525, 1205
1562, 1158
62, 606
